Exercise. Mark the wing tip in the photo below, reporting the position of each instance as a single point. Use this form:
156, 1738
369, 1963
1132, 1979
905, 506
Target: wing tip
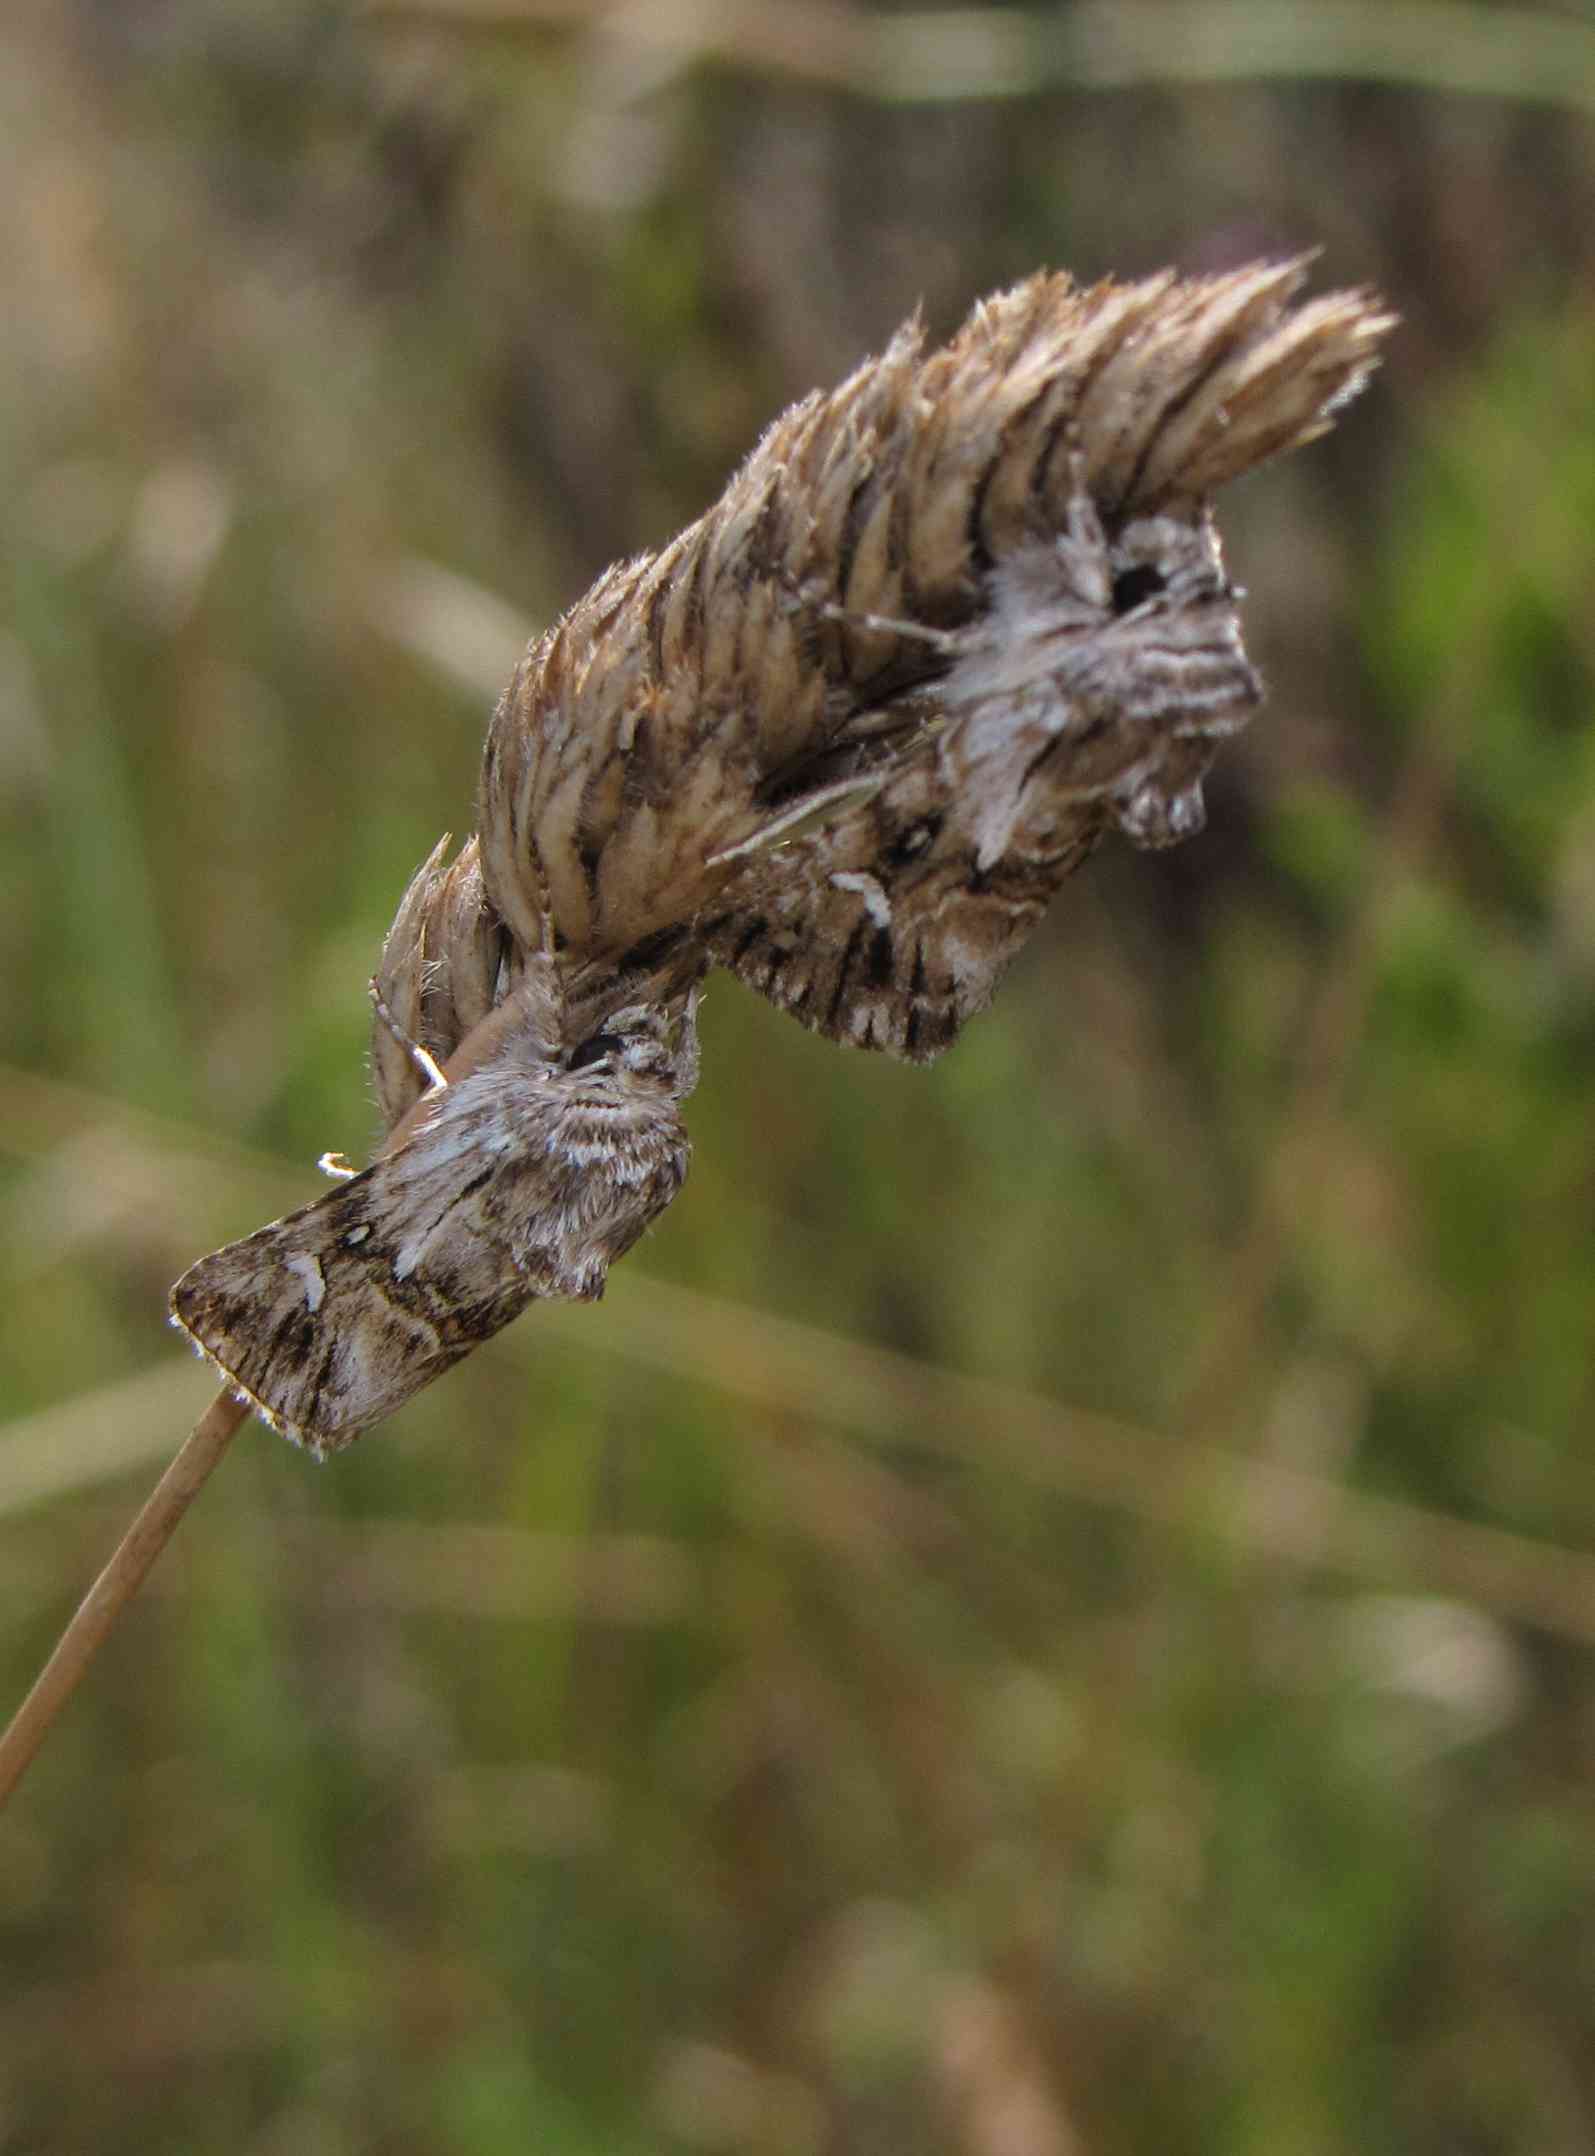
306, 1440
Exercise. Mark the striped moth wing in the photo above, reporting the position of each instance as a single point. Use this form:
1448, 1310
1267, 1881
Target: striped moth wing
525, 1176
1089, 694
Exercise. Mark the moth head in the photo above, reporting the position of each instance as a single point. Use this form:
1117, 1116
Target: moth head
648, 1044
1165, 562
1173, 648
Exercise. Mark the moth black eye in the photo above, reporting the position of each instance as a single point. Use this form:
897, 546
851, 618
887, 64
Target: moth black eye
594, 1050
1132, 586
915, 840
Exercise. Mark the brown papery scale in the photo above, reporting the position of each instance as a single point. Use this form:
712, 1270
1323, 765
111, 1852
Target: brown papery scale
947, 625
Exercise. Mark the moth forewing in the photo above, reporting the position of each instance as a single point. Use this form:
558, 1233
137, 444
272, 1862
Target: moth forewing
525, 1178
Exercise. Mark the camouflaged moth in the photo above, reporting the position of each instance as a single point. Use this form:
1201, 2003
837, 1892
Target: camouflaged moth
1088, 695
531, 1164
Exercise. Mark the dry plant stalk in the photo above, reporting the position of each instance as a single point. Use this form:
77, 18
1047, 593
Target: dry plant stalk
948, 625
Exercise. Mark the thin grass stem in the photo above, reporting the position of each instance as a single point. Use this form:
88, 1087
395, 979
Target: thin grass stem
98, 1612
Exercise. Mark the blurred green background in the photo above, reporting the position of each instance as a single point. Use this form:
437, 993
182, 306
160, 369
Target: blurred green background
1051, 1609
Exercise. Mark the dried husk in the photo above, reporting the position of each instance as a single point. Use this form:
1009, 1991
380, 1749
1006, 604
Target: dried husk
681, 768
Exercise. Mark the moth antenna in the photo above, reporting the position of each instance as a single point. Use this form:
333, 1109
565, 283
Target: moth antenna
429, 1067
1082, 518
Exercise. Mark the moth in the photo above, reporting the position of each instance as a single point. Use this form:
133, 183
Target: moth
536, 1158
1089, 694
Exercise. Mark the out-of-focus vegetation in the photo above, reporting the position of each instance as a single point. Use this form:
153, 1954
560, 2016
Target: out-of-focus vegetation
1053, 1608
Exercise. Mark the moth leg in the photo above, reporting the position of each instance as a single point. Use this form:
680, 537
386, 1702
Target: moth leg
808, 596
428, 1065
947, 641
335, 1165
787, 820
